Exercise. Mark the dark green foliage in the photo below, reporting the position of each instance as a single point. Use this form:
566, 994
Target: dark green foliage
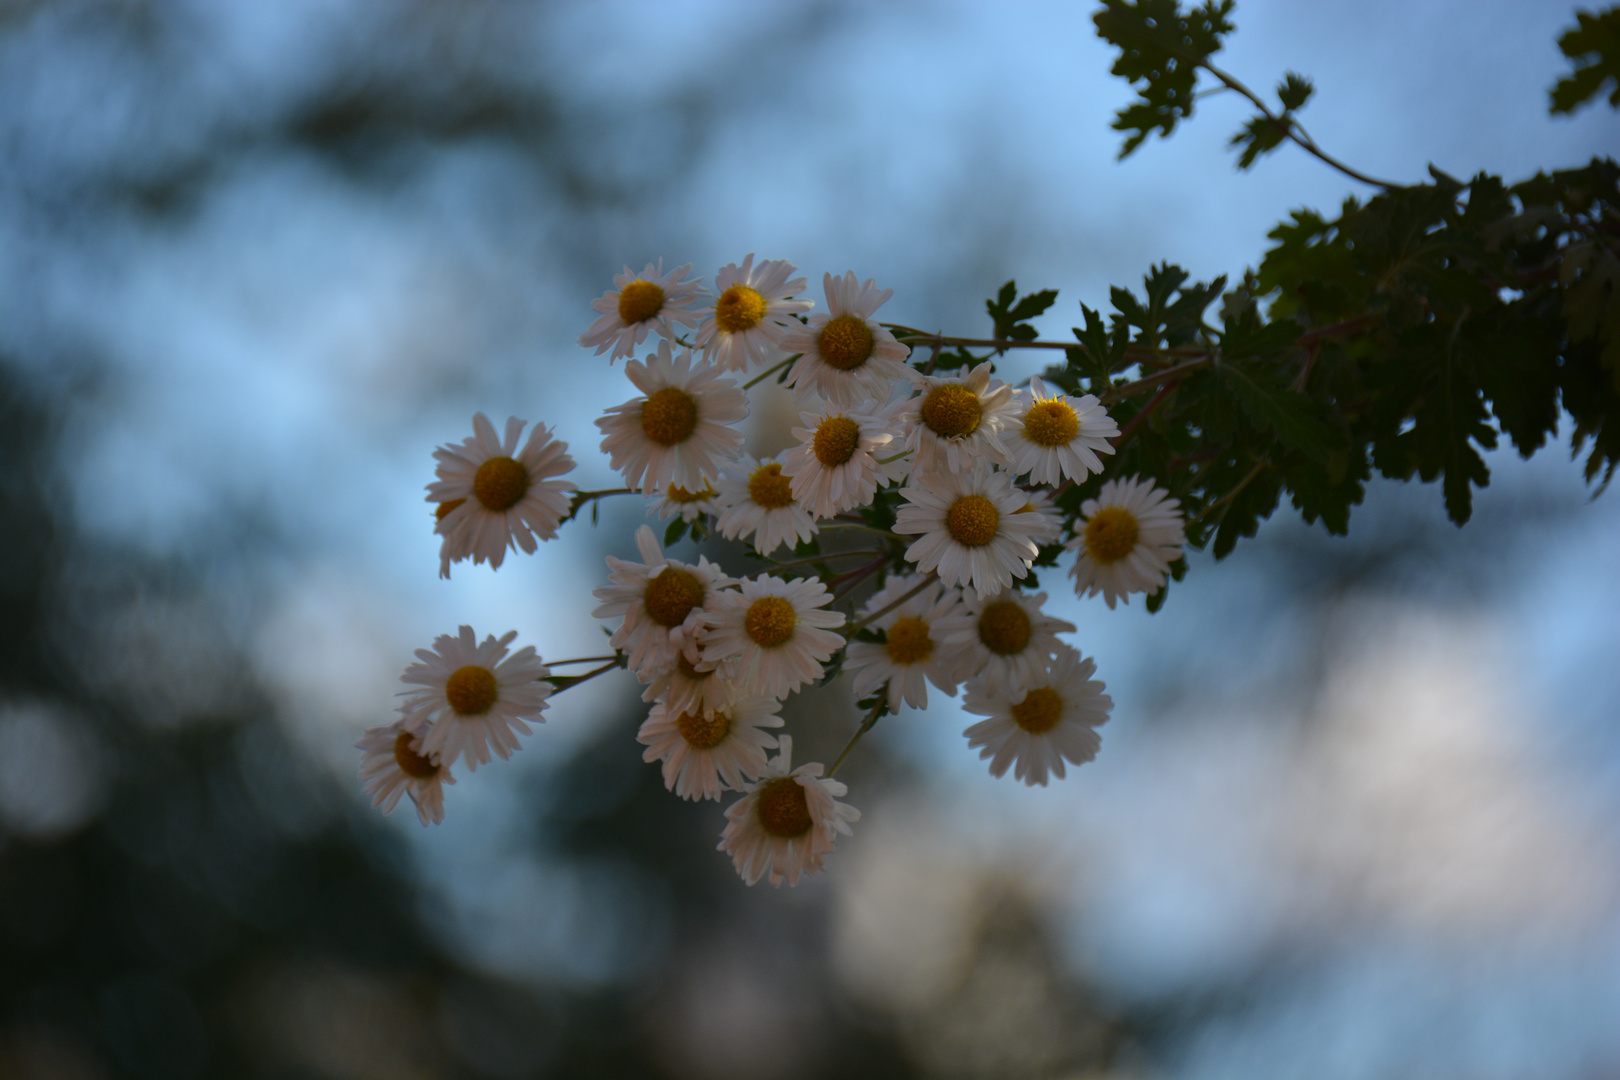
1594, 47
1160, 46
1010, 318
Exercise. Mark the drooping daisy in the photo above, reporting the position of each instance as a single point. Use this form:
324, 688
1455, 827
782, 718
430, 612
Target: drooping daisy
678, 432
687, 687
1133, 533
1055, 436
773, 634
837, 465
756, 500
704, 753
786, 824
914, 654
661, 601
690, 505
973, 530
1036, 730
955, 421
754, 308
848, 357
473, 697
1004, 639
493, 496
638, 303
394, 765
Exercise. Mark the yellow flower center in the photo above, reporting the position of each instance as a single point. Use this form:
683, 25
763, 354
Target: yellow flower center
739, 308
678, 494
500, 483
835, 440
640, 301
1110, 534
950, 410
783, 810
669, 416
1040, 710
770, 621
471, 690
1051, 423
845, 342
1004, 628
769, 488
909, 642
672, 595
704, 732
972, 520
412, 764
444, 509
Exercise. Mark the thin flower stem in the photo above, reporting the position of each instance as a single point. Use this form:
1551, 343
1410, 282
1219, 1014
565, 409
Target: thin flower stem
821, 558
1002, 344
867, 722
583, 660
858, 575
1131, 389
841, 523
854, 627
568, 682
580, 498
757, 379
1147, 410
1230, 495
890, 460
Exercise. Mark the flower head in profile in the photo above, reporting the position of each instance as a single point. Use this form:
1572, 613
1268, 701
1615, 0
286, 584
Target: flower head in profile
1005, 639
704, 753
847, 357
641, 303
955, 421
1053, 436
786, 823
1133, 532
755, 307
756, 501
661, 601
1037, 729
773, 635
912, 653
472, 698
492, 495
676, 501
395, 765
679, 430
841, 460
975, 528
685, 686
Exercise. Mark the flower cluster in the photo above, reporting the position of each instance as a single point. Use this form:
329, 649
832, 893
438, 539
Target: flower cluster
957, 483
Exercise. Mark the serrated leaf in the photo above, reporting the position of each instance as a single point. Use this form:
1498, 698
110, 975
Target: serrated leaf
1294, 91
675, 531
1282, 411
1261, 135
1594, 46
1160, 47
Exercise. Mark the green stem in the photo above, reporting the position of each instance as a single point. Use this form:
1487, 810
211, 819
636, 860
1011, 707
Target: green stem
819, 558
583, 660
580, 498
867, 722
566, 682
1230, 495
854, 627
757, 379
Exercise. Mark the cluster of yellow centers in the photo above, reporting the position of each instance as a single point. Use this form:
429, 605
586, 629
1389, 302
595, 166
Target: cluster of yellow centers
703, 732
835, 440
845, 342
1004, 628
1040, 710
640, 301
471, 690
909, 642
972, 520
414, 765
669, 416
739, 308
769, 488
1111, 534
500, 484
770, 621
783, 809
950, 410
1052, 422
672, 595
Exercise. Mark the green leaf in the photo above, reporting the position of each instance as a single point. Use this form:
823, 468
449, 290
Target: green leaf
1272, 407
1294, 91
1010, 318
1261, 135
1160, 47
676, 530
1593, 44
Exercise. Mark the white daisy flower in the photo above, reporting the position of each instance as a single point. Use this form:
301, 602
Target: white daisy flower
786, 824
1056, 436
1040, 502
493, 496
751, 313
773, 635
1036, 730
756, 500
1133, 533
638, 303
471, 699
661, 601
678, 432
957, 420
690, 505
685, 686
837, 465
704, 753
915, 653
1006, 640
394, 765
848, 357
973, 530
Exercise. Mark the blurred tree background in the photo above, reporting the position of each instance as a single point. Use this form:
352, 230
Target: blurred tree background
1355, 813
